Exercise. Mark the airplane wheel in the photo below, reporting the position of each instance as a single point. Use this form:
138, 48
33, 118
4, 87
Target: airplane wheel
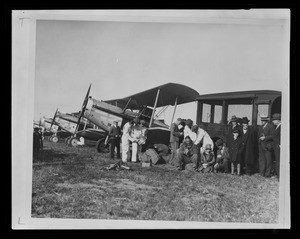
50, 138
100, 146
73, 141
66, 140
54, 139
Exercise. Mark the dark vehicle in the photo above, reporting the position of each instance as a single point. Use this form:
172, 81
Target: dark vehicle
214, 111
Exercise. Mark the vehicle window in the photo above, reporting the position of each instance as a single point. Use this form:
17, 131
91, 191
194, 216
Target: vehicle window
206, 113
240, 111
218, 114
263, 109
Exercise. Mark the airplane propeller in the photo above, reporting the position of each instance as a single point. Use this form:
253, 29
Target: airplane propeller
53, 119
83, 107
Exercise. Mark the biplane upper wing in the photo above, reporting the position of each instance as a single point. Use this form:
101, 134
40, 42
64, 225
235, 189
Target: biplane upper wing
167, 96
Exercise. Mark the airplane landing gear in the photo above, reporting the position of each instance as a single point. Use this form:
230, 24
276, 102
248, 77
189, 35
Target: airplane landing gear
54, 139
66, 140
72, 141
101, 147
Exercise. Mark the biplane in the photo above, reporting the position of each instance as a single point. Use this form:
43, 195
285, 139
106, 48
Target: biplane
68, 125
142, 105
48, 130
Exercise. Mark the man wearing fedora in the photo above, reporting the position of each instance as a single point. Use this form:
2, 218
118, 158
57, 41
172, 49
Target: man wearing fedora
265, 146
276, 119
249, 146
233, 124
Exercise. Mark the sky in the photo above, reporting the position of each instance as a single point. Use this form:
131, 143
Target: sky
124, 58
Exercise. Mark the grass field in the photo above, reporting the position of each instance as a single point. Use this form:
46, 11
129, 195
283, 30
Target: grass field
73, 183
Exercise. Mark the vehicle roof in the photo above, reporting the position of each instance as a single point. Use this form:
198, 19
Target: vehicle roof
167, 96
259, 94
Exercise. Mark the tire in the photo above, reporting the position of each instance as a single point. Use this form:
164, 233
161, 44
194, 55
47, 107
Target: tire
54, 139
100, 146
73, 141
50, 138
66, 140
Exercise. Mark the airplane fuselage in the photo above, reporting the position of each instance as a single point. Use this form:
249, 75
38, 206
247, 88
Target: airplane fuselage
103, 114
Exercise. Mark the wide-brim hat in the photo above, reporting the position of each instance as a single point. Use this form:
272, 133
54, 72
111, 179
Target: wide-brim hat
264, 118
233, 118
188, 121
245, 120
276, 116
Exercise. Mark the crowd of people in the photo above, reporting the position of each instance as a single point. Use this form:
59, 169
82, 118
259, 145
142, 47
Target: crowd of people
245, 150
134, 132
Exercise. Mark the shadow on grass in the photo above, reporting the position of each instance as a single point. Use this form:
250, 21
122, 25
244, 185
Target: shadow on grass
48, 155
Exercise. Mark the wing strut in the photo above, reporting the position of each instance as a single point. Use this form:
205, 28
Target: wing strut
126, 105
153, 112
174, 111
161, 111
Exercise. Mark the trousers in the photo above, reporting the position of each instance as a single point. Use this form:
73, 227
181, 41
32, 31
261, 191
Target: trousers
173, 157
136, 150
223, 166
125, 148
184, 159
115, 143
265, 162
277, 160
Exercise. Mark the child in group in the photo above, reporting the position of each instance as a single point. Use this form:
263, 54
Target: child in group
235, 149
207, 160
222, 161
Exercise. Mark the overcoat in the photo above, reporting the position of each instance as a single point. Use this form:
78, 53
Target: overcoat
249, 146
229, 136
235, 150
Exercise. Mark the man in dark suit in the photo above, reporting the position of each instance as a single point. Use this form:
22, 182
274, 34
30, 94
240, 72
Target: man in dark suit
233, 124
276, 119
114, 135
249, 146
265, 146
